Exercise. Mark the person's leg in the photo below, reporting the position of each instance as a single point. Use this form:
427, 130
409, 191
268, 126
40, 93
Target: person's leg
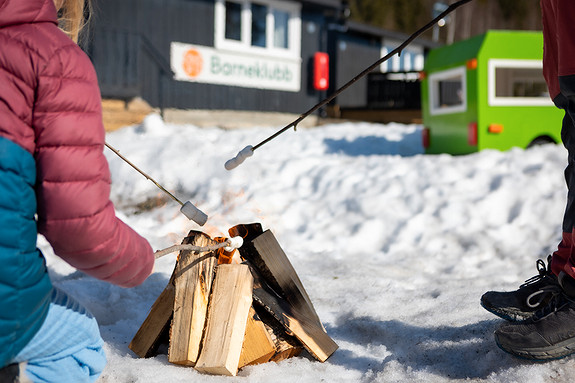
68, 346
535, 294
550, 332
565, 249
559, 72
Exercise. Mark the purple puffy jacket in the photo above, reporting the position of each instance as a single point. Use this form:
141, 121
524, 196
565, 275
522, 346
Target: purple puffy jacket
50, 106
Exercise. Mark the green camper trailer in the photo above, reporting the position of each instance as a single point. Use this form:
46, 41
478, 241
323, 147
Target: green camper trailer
488, 92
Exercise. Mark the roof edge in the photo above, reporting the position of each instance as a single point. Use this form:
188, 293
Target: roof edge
325, 3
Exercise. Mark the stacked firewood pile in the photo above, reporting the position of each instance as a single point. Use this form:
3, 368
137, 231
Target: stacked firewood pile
218, 316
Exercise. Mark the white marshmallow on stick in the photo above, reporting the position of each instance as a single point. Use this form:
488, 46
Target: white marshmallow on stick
193, 213
189, 210
233, 163
232, 244
235, 243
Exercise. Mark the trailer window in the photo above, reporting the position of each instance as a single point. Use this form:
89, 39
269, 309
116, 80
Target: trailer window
517, 83
448, 91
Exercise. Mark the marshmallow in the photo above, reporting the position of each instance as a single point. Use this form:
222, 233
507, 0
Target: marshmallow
235, 243
240, 158
193, 213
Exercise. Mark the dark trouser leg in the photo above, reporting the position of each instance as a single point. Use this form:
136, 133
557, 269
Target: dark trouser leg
558, 17
564, 257
564, 250
568, 138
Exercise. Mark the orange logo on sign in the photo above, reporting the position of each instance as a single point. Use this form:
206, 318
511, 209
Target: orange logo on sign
193, 63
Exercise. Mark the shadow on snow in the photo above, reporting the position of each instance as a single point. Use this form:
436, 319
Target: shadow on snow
409, 145
454, 352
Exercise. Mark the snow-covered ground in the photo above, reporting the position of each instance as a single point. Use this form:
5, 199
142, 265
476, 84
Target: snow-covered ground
394, 247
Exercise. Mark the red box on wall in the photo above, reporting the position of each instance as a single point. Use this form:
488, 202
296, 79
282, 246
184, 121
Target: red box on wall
320, 71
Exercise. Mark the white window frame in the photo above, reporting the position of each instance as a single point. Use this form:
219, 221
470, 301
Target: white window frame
493, 64
394, 63
433, 90
398, 63
294, 28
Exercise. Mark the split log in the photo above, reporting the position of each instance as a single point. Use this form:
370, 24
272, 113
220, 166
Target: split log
146, 341
266, 255
314, 338
148, 338
258, 346
248, 231
193, 279
230, 303
286, 346
295, 311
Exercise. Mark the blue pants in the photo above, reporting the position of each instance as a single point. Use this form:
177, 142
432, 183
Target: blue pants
68, 346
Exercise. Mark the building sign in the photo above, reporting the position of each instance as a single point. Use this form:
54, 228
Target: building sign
207, 65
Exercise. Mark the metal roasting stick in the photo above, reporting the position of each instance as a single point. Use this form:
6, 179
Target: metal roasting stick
188, 209
248, 150
144, 174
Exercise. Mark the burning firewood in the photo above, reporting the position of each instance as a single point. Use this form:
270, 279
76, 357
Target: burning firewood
231, 300
207, 315
258, 346
149, 337
194, 274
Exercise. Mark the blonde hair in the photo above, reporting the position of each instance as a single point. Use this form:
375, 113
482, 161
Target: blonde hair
73, 16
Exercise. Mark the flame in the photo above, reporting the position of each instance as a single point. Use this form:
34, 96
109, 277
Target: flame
224, 257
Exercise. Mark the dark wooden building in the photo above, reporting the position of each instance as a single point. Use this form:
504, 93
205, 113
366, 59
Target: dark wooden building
389, 93
210, 54
243, 55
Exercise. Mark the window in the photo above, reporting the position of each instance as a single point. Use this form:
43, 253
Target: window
233, 21
517, 83
266, 27
411, 58
281, 23
259, 23
448, 91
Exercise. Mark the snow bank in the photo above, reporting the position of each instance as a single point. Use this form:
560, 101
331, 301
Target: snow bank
394, 247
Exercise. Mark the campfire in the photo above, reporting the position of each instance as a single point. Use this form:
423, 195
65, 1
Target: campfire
218, 316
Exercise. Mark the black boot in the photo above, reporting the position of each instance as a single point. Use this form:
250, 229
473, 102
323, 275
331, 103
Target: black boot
549, 333
10, 373
531, 296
